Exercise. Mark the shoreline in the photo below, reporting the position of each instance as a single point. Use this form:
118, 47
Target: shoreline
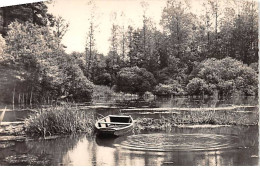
15, 131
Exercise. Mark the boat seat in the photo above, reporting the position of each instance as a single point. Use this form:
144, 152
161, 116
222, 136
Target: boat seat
114, 123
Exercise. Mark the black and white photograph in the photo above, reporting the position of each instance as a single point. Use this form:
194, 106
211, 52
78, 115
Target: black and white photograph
129, 83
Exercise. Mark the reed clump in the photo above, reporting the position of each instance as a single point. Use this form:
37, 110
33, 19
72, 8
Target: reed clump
213, 117
198, 118
59, 120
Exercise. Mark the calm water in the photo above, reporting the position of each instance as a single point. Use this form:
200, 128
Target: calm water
236, 145
218, 146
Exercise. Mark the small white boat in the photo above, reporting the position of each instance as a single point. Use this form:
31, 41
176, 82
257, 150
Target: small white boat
114, 125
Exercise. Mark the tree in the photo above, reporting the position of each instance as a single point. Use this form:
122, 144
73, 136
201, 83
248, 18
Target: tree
30, 50
2, 48
172, 87
244, 38
36, 13
226, 75
60, 27
144, 32
123, 41
90, 43
75, 86
114, 40
135, 49
48, 72
177, 24
198, 86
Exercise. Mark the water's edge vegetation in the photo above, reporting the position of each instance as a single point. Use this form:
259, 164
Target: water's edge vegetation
207, 118
63, 120
59, 120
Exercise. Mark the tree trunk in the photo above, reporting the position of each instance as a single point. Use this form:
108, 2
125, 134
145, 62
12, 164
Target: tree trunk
23, 99
31, 96
13, 97
178, 38
19, 97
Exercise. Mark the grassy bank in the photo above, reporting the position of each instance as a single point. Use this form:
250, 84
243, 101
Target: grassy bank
198, 118
59, 120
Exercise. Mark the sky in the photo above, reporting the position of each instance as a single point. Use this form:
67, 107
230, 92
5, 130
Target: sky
77, 13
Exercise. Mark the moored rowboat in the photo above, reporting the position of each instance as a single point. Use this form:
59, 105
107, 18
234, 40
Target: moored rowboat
114, 125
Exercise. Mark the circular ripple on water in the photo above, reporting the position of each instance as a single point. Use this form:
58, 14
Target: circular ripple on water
179, 142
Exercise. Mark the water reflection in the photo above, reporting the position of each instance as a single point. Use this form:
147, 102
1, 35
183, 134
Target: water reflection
210, 147
234, 145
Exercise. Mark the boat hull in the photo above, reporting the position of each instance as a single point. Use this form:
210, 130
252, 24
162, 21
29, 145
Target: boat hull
114, 125
113, 132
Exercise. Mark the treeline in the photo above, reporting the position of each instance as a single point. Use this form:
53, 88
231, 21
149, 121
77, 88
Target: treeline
213, 51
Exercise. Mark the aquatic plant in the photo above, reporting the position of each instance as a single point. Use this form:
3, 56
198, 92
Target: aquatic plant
59, 120
201, 117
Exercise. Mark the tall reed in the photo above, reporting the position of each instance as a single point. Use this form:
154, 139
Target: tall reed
59, 120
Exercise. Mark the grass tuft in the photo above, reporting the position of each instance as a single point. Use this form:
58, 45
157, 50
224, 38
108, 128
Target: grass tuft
59, 120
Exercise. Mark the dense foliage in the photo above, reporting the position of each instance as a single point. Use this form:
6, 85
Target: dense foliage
226, 75
221, 30
172, 87
47, 72
35, 13
213, 51
135, 80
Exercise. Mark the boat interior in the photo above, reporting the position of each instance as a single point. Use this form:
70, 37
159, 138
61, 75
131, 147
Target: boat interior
115, 121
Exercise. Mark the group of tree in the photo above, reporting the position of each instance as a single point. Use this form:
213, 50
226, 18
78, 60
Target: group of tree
190, 53
224, 33
34, 65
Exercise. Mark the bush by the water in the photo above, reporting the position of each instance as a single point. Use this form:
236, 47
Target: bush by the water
198, 86
135, 80
59, 120
226, 75
172, 87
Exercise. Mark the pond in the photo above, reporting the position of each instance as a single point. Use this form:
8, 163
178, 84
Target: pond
181, 146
